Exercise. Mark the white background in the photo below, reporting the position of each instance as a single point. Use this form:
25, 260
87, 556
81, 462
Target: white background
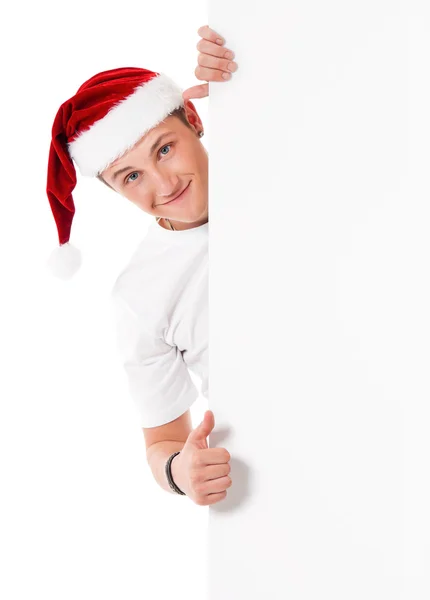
81, 515
319, 301
319, 350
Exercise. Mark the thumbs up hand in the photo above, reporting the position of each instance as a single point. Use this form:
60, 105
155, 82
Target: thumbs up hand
199, 471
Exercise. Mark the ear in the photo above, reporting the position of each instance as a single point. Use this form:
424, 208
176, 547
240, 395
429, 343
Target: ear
192, 115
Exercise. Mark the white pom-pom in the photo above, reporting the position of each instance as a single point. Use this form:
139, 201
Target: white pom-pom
64, 261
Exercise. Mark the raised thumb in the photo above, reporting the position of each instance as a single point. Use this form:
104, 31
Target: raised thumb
201, 432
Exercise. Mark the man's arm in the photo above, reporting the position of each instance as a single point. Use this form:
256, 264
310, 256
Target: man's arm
163, 441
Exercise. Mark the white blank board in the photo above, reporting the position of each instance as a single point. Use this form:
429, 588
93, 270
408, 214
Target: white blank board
319, 301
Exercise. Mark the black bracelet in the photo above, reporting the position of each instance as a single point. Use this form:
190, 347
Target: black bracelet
172, 484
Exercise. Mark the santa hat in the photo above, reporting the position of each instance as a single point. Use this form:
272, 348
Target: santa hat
104, 119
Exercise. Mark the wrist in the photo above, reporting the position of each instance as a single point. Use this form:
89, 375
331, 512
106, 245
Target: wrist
175, 469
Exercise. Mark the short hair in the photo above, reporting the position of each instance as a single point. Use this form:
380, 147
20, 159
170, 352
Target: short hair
180, 114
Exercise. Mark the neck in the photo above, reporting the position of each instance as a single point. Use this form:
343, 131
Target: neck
179, 225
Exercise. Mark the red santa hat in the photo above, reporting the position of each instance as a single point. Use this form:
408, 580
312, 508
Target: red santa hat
104, 119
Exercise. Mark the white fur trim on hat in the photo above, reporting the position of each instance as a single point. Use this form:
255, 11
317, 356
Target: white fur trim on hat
125, 123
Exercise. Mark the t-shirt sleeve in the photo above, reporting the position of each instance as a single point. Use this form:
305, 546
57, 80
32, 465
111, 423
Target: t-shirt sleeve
158, 378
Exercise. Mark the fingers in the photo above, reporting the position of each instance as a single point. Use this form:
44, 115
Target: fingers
210, 48
213, 486
212, 456
209, 475
211, 499
211, 68
216, 471
207, 74
214, 60
209, 34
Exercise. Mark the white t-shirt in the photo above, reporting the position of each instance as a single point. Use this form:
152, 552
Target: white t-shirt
160, 304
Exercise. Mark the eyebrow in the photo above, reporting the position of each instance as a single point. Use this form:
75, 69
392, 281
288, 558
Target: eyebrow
151, 152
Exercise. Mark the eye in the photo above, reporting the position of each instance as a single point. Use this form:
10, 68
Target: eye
127, 179
167, 146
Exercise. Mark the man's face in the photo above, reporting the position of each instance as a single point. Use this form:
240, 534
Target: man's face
152, 180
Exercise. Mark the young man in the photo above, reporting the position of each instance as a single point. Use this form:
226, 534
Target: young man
138, 133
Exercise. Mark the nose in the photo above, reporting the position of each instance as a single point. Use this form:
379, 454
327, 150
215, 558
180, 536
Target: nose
166, 185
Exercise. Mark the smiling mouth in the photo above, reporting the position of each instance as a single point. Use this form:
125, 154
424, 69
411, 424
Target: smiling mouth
178, 196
